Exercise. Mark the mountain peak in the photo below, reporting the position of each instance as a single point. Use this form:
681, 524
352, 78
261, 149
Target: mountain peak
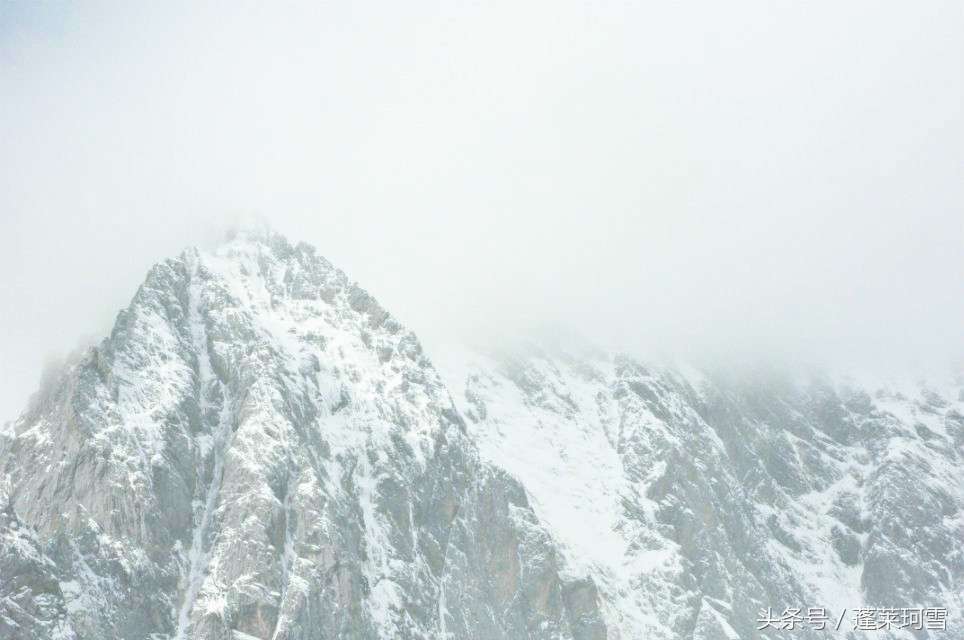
259, 449
258, 442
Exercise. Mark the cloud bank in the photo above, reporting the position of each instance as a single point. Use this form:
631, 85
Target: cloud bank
766, 178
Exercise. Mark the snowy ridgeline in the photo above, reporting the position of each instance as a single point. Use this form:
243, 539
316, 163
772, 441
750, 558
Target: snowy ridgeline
259, 450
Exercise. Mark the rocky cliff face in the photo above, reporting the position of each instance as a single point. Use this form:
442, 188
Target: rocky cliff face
694, 500
259, 450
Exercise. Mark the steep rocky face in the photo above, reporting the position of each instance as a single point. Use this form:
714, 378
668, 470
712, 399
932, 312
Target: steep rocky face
261, 451
694, 501
31, 599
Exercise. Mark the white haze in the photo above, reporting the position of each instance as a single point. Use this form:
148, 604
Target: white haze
746, 179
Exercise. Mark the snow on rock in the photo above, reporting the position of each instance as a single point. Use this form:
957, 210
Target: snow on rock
260, 450
696, 499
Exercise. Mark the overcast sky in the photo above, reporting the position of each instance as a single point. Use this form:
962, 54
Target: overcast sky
772, 177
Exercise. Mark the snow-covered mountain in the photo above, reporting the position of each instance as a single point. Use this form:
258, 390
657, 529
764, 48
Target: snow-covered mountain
259, 450
696, 500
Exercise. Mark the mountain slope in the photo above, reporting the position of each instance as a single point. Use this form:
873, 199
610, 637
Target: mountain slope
696, 500
260, 450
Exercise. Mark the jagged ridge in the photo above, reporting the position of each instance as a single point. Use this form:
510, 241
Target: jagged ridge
259, 450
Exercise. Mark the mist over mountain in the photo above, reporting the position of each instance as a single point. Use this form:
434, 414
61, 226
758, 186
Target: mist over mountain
659, 338
259, 449
749, 180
